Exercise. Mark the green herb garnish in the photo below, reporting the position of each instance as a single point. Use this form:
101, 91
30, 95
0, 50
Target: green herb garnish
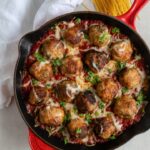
39, 57
109, 70
101, 105
86, 36
78, 130
67, 117
115, 30
65, 141
48, 85
140, 98
35, 82
62, 104
96, 113
75, 109
81, 115
113, 137
104, 36
57, 62
78, 20
94, 79
121, 65
88, 118
125, 90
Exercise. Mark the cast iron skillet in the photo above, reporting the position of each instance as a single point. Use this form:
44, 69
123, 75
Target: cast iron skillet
29, 39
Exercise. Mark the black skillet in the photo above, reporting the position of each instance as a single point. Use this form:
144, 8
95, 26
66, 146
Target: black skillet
127, 28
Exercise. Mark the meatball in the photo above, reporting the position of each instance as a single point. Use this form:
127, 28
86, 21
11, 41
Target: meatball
85, 102
53, 49
121, 50
66, 90
72, 65
107, 89
78, 128
41, 72
125, 107
73, 35
99, 35
37, 95
130, 78
52, 116
105, 127
95, 60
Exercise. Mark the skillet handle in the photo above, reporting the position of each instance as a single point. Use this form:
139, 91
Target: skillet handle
130, 16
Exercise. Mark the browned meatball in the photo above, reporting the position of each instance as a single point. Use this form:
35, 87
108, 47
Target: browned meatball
85, 102
66, 90
42, 72
130, 78
53, 116
105, 127
107, 89
121, 50
78, 128
95, 60
73, 35
99, 35
53, 49
37, 95
72, 65
125, 107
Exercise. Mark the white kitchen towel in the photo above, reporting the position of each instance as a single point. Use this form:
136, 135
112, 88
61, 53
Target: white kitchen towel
16, 18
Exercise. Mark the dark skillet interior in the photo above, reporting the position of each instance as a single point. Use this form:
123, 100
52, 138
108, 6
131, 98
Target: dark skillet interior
24, 47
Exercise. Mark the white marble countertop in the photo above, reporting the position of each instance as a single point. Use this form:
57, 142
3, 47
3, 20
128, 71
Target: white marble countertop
14, 132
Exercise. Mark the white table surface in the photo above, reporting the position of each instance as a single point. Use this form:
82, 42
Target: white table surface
14, 132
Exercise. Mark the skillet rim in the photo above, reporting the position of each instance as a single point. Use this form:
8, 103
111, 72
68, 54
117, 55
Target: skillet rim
25, 37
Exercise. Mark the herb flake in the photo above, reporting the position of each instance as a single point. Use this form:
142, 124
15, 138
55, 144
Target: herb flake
88, 118
35, 82
77, 20
39, 57
140, 98
103, 37
125, 90
101, 105
115, 30
121, 65
78, 130
94, 79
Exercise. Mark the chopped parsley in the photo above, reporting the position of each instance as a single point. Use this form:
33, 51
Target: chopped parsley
67, 117
115, 30
39, 57
75, 109
125, 90
78, 130
62, 104
96, 113
57, 62
101, 105
140, 98
78, 20
86, 36
109, 70
104, 36
48, 85
81, 115
121, 65
88, 118
65, 141
113, 137
94, 79
35, 82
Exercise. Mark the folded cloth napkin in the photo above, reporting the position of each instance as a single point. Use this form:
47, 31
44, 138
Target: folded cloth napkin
16, 18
